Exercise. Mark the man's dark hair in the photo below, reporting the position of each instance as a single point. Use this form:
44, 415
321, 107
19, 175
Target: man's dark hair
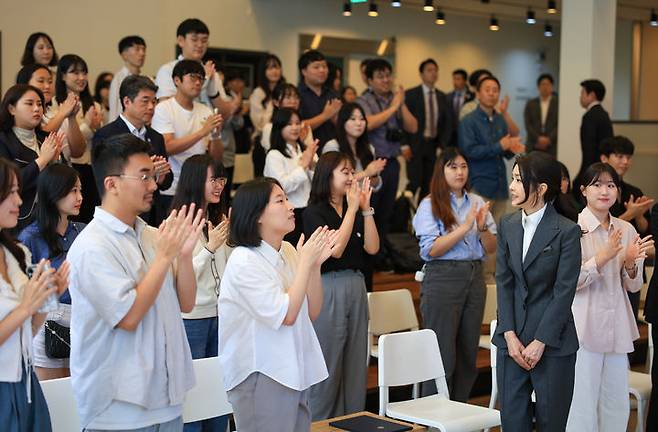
596, 86
247, 206
364, 63
618, 145
376, 65
132, 85
185, 67
429, 61
130, 41
475, 76
488, 78
110, 156
309, 57
545, 76
192, 25
461, 72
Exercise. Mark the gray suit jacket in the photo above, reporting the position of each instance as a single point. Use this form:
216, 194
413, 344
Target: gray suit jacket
532, 119
535, 296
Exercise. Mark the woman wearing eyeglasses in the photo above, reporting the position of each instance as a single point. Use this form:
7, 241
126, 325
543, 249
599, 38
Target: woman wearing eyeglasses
201, 182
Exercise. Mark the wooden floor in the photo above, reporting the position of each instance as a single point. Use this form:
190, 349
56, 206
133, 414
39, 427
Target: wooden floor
482, 388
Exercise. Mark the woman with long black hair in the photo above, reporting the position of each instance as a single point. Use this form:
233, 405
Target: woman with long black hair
49, 237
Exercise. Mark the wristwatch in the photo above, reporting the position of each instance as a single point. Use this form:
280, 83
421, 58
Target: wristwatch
369, 212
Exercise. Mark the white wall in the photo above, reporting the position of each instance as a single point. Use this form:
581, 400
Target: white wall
621, 105
92, 30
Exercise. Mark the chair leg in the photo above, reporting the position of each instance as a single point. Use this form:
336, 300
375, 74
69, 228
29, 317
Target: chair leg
640, 415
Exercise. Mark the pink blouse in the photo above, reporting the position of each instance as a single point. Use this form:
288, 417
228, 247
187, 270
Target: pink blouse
602, 312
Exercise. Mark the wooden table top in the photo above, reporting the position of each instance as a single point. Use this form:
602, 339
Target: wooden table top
323, 426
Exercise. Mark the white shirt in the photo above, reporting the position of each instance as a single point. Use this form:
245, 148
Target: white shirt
16, 350
295, 180
166, 87
114, 99
429, 96
123, 377
530, 223
171, 118
207, 267
139, 133
260, 115
543, 106
253, 303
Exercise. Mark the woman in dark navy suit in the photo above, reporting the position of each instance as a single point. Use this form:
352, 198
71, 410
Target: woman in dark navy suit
537, 267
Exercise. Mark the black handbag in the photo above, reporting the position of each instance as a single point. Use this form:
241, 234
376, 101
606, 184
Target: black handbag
58, 340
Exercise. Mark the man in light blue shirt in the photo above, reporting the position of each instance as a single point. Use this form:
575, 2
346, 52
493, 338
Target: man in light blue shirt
130, 360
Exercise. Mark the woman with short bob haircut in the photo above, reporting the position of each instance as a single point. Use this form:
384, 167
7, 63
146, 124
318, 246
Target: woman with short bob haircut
537, 267
268, 297
340, 202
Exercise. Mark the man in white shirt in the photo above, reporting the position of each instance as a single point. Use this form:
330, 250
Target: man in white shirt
130, 360
192, 39
188, 127
132, 50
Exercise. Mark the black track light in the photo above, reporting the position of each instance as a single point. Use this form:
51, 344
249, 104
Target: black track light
347, 9
396, 3
653, 21
429, 6
493, 24
530, 17
548, 30
440, 17
372, 10
552, 7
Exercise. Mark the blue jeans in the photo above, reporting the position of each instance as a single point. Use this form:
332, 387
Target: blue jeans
202, 337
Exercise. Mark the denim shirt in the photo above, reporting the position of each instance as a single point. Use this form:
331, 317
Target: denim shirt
373, 104
479, 140
31, 237
428, 228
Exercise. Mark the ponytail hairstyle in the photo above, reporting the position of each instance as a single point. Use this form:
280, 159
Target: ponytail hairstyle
440, 191
9, 172
536, 168
53, 184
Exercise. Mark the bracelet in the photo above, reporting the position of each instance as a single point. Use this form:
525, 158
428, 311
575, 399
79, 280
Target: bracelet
485, 229
366, 213
629, 270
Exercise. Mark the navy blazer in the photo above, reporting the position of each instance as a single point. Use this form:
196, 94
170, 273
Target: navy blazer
415, 100
535, 296
651, 303
153, 137
12, 149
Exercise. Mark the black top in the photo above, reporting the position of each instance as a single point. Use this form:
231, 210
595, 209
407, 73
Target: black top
321, 214
651, 303
310, 105
618, 208
12, 149
595, 127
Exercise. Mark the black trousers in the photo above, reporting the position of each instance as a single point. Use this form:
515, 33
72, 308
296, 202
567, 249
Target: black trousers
552, 380
383, 200
652, 419
421, 167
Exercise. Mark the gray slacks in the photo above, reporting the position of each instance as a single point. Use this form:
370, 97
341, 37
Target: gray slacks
175, 425
452, 298
262, 404
342, 329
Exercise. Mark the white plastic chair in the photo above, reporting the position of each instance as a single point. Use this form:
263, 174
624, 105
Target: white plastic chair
411, 358
389, 312
61, 405
639, 387
207, 399
490, 307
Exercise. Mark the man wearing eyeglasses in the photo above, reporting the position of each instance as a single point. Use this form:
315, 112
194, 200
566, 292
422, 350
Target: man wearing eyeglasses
137, 96
188, 127
131, 364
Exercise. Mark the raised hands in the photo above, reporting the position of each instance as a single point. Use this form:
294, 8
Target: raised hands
217, 235
42, 284
610, 250
213, 124
319, 246
180, 232
353, 196
332, 107
503, 105
304, 131
94, 118
365, 193
398, 98
513, 144
50, 149
306, 161
161, 167
481, 216
71, 105
637, 250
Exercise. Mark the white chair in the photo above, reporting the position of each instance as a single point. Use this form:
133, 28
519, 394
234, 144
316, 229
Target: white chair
639, 387
490, 307
61, 404
207, 399
411, 358
389, 312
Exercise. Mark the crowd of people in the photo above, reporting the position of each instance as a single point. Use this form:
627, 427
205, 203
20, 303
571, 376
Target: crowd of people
127, 252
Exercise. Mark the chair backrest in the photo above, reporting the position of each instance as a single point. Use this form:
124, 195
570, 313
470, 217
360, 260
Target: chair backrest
409, 358
61, 404
494, 348
391, 311
490, 305
207, 399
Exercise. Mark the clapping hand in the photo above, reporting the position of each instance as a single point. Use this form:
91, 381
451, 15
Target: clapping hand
319, 247
161, 167
375, 167
638, 206
217, 235
481, 216
365, 193
39, 288
306, 161
180, 232
50, 149
638, 249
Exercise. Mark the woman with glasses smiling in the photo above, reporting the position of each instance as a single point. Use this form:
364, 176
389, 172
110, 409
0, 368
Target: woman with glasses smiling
202, 182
